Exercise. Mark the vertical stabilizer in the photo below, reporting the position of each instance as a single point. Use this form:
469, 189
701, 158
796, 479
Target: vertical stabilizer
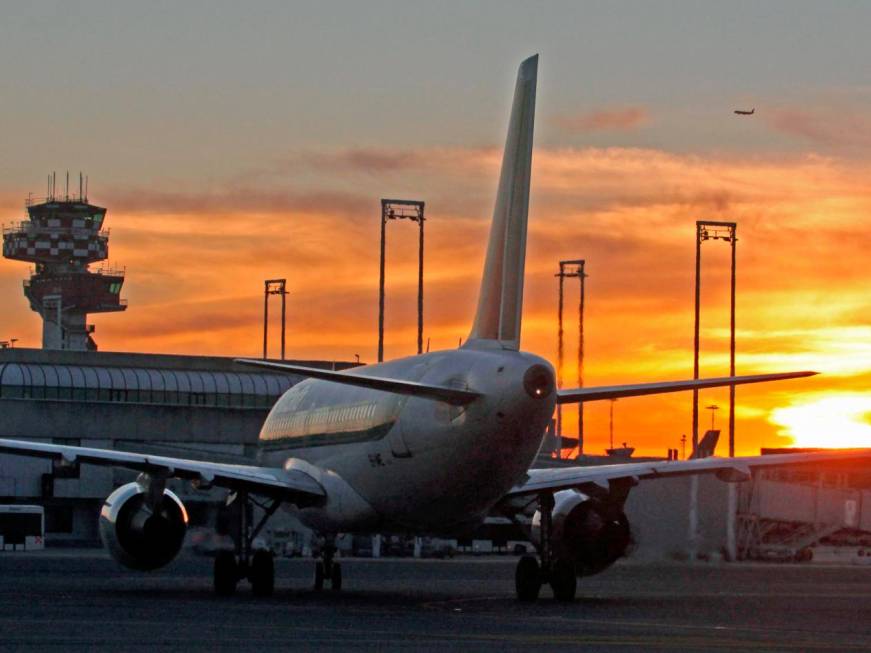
500, 301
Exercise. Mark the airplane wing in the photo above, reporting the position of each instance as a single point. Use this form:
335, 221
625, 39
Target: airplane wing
602, 477
294, 486
577, 395
450, 395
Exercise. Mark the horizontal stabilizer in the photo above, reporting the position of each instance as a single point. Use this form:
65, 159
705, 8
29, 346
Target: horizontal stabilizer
577, 395
455, 396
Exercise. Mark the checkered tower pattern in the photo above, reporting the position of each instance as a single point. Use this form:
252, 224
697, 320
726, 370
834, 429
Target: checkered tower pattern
62, 238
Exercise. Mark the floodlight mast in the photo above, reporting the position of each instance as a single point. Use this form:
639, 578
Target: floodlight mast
401, 210
727, 231
274, 287
571, 268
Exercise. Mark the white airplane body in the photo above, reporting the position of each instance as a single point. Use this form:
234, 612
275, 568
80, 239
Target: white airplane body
427, 444
412, 464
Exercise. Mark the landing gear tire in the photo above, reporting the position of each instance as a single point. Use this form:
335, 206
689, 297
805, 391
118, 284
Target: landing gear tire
319, 576
563, 580
258, 567
527, 579
226, 573
336, 577
262, 574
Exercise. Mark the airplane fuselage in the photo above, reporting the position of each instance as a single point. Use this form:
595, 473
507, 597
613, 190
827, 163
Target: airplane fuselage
411, 464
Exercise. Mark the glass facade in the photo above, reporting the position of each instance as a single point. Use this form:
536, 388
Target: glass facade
141, 385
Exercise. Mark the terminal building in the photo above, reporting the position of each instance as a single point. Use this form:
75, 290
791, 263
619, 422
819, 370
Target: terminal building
185, 406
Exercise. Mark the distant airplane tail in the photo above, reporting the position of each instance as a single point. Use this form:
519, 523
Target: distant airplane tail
500, 301
707, 445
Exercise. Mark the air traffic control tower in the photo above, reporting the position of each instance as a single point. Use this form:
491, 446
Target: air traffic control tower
62, 237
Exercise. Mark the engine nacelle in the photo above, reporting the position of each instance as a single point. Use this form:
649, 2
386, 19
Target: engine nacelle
585, 531
138, 537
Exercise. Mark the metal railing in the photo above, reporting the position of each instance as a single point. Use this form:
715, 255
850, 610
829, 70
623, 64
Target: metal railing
34, 200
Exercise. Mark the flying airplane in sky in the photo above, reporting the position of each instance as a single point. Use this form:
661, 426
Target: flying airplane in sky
742, 112
429, 444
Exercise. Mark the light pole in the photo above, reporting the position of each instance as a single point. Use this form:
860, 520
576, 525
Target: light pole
274, 287
401, 210
611, 423
726, 231
571, 268
713, 408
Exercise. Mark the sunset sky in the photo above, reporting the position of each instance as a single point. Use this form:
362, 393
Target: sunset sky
233, 142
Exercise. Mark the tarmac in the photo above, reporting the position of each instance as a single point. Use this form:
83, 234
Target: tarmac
81, 600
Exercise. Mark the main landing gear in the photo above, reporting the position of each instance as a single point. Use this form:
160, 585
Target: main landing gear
245, 563
328, 569
557, 571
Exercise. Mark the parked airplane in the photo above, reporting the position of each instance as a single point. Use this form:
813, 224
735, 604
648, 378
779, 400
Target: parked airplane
707, 445
742, 112
429, 444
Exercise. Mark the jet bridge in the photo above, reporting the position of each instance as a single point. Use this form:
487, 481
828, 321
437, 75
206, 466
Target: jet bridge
780, 517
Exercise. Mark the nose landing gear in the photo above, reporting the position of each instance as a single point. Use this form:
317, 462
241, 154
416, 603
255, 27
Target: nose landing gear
328, 569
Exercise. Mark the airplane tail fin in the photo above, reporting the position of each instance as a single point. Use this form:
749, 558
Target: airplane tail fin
707, 445
500, 301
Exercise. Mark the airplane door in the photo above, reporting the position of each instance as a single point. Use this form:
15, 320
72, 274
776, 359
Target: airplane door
396, 437
398, 446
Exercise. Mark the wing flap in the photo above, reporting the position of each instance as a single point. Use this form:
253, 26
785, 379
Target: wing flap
578, 395
447, 394
293, 485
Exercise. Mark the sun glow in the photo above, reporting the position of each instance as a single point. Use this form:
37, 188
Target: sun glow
840, 421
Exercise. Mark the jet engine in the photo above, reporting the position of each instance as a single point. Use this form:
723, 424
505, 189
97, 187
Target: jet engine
138, 535
588, 532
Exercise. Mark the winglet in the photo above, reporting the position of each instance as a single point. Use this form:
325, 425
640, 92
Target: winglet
500, 300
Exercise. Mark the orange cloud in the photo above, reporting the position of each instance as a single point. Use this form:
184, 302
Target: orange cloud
616, 119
